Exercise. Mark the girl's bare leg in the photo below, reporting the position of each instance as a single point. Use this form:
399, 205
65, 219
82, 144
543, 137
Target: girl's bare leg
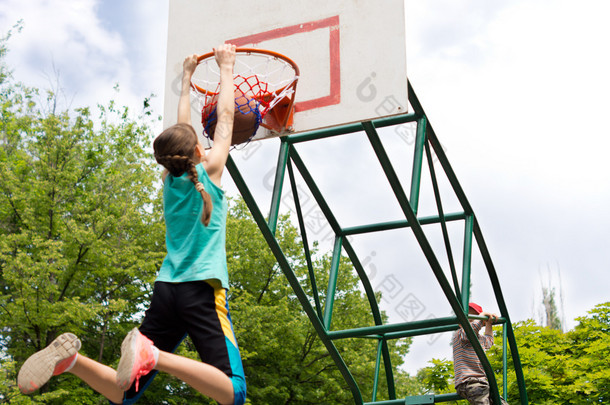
203, 377
99, 377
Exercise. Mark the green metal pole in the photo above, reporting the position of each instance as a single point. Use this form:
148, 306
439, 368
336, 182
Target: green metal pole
377, 369
390, 402
419, 399
312, 275
441, 215
276, 197
411, 333
394, 327
349, 128
420, 332
386, 226
467, 261
446, 398
427, 331
418, 153
332, 283
442, 158
504, 362
419, 326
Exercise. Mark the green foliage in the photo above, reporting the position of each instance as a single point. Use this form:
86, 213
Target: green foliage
543, 361
437, 377
80, 233
562, 368
558, 368
4, 71
591, 348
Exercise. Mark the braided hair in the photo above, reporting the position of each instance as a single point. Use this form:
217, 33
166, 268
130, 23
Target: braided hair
175, 150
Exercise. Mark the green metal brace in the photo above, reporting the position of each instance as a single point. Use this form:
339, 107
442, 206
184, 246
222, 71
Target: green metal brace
457, 297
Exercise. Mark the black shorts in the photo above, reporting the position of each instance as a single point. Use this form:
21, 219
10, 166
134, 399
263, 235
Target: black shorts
200, 311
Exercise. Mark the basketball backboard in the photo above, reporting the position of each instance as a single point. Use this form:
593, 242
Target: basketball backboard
351, 53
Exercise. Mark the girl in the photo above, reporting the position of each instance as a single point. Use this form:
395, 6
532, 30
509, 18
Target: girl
189, 296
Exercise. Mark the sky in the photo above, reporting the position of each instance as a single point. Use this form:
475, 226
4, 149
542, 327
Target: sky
517, 93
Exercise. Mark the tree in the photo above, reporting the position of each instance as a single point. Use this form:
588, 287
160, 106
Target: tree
437, 377
544, 361
562, 368
558, 367
80, 233
590, 343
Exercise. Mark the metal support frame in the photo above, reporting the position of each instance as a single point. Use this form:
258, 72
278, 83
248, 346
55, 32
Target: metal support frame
458, 297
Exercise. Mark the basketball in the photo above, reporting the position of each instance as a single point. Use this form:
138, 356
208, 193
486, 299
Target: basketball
245, 121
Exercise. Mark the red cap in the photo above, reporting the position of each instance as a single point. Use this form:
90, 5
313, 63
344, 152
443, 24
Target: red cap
475, 307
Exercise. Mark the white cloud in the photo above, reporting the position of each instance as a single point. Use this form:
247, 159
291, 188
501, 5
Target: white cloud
66, 32
70, 41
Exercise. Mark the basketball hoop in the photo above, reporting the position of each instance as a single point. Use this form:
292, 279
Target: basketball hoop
265, 85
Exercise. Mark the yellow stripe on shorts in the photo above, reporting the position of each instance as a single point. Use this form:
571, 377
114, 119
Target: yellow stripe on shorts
220, 298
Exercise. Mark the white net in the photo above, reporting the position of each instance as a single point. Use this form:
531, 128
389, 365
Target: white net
266, 78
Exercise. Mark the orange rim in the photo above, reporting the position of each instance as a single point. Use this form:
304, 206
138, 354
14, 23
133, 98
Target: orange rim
286, 117
249, 51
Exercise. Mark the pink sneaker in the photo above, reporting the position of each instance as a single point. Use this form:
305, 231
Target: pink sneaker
54, 359
138, 358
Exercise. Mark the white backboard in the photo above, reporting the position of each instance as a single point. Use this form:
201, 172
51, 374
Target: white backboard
351, 53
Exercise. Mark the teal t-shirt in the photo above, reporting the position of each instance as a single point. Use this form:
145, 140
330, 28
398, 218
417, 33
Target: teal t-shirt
194, 252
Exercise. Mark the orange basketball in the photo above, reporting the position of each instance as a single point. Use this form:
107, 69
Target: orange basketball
245, 121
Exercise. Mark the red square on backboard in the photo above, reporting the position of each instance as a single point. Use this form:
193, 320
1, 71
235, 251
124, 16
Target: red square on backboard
330, 23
